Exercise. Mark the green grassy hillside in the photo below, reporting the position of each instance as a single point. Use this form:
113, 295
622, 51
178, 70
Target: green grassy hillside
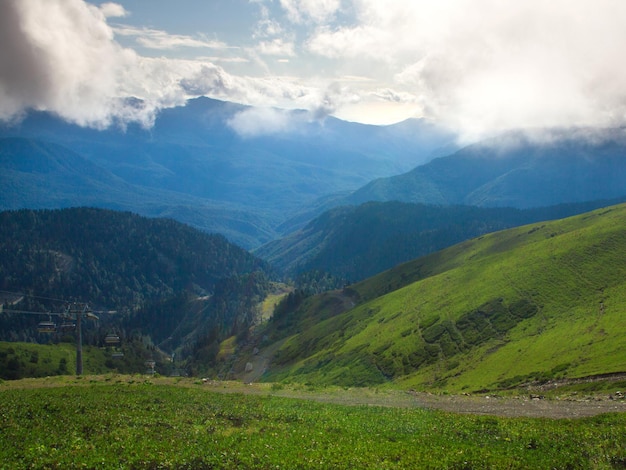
529, 304
19, 360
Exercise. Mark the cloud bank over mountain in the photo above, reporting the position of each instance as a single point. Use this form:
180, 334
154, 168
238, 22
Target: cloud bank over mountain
491, 64
62, 56
477, 66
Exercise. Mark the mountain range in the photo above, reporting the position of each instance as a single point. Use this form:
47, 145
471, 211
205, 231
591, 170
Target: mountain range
447, 294
207, 165
515, 169
197, 165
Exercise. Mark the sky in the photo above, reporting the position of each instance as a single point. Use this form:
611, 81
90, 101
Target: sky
475, 66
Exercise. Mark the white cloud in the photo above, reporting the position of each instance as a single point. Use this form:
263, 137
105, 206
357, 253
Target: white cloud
157, 39
316, 10
477, 65
362, 41
276, 47
486, 65
253, 122
61, 56
267, 27
58, 55
286, 92
113, 10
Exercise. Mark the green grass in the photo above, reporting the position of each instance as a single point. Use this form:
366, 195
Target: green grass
122, 423
273, 298
18, 360
529, 304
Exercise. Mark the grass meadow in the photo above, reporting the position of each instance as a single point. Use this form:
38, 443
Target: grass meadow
140, 423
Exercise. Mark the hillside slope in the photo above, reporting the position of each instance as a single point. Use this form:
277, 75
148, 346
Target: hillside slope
526, 304
357, 242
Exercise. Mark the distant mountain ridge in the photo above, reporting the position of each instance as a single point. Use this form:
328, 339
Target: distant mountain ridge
193, 166
515, 170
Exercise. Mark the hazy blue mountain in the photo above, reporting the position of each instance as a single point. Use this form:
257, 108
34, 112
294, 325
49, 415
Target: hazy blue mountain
44, 175
193, 158
514, 170
355, 242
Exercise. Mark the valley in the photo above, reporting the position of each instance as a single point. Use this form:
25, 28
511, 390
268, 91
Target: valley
297, 234
193, 165
464, 275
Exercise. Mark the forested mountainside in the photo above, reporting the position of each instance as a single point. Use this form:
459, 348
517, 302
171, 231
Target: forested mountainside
357, 242
516, 169
164, 279
526, 305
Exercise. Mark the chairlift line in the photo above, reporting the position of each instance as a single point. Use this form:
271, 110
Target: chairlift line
22, 294
74, 311
26, 312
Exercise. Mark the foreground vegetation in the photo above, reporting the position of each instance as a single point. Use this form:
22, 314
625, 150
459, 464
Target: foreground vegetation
132, 422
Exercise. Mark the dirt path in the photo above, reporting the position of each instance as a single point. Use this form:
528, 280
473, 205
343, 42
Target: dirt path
517, 406
526, 406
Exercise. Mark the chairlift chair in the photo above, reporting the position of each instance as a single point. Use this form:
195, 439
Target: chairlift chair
47, 326
67, 326
112, 339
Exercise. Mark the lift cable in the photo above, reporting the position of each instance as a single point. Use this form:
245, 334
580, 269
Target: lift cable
22, 294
